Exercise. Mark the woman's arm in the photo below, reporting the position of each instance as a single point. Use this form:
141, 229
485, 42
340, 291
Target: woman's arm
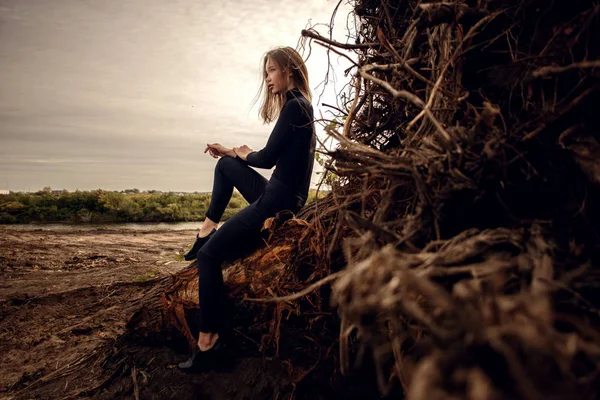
267, 157
217, 150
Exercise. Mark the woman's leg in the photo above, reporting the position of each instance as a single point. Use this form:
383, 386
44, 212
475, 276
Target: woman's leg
244, 227
229, 173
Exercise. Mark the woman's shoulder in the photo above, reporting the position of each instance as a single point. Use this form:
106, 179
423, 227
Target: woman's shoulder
299, 104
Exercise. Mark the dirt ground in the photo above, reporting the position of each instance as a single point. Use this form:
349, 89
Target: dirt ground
62, 299
39, 262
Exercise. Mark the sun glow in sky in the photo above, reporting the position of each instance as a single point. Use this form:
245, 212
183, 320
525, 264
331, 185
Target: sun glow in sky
126, 94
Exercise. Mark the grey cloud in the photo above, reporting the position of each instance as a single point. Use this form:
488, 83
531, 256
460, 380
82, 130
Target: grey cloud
127, 94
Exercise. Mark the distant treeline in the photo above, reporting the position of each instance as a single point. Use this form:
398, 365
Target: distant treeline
100, 206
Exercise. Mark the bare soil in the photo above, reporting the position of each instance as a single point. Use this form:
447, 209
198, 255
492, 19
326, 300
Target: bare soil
64, 296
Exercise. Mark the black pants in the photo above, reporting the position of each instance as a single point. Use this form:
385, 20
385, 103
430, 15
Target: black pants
237, 234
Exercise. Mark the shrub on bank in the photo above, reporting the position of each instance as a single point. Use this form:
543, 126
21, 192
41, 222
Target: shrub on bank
99, 206
105, 206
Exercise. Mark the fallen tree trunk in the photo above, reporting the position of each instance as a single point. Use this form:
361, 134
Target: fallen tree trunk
167, 304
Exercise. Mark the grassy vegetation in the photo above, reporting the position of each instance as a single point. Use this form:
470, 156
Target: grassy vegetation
146, 276
100, 206
106, 206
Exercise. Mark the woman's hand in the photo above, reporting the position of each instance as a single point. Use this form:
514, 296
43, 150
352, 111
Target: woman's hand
242, 151
217, 150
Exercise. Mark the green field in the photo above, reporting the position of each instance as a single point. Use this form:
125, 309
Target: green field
100, 206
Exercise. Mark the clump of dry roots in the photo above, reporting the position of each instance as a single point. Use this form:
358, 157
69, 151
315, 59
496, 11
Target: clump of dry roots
468, 198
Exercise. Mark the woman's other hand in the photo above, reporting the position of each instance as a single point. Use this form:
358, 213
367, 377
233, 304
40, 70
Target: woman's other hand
217, 150
242, 151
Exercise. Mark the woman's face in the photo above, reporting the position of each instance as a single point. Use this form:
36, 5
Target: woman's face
275, 78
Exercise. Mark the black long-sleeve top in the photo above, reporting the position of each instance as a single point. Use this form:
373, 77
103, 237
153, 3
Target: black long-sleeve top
291, 145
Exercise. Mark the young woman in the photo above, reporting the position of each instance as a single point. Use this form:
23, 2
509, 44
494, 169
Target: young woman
290, 149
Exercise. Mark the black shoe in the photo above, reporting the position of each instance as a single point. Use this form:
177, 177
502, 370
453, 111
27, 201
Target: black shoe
193, 253
201, 361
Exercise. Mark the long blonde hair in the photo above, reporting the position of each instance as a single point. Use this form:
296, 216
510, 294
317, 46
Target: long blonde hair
287, 59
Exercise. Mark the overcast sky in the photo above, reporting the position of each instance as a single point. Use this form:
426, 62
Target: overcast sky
118, 94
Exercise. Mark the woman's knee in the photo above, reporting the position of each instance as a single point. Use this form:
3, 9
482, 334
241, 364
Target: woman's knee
227, 163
